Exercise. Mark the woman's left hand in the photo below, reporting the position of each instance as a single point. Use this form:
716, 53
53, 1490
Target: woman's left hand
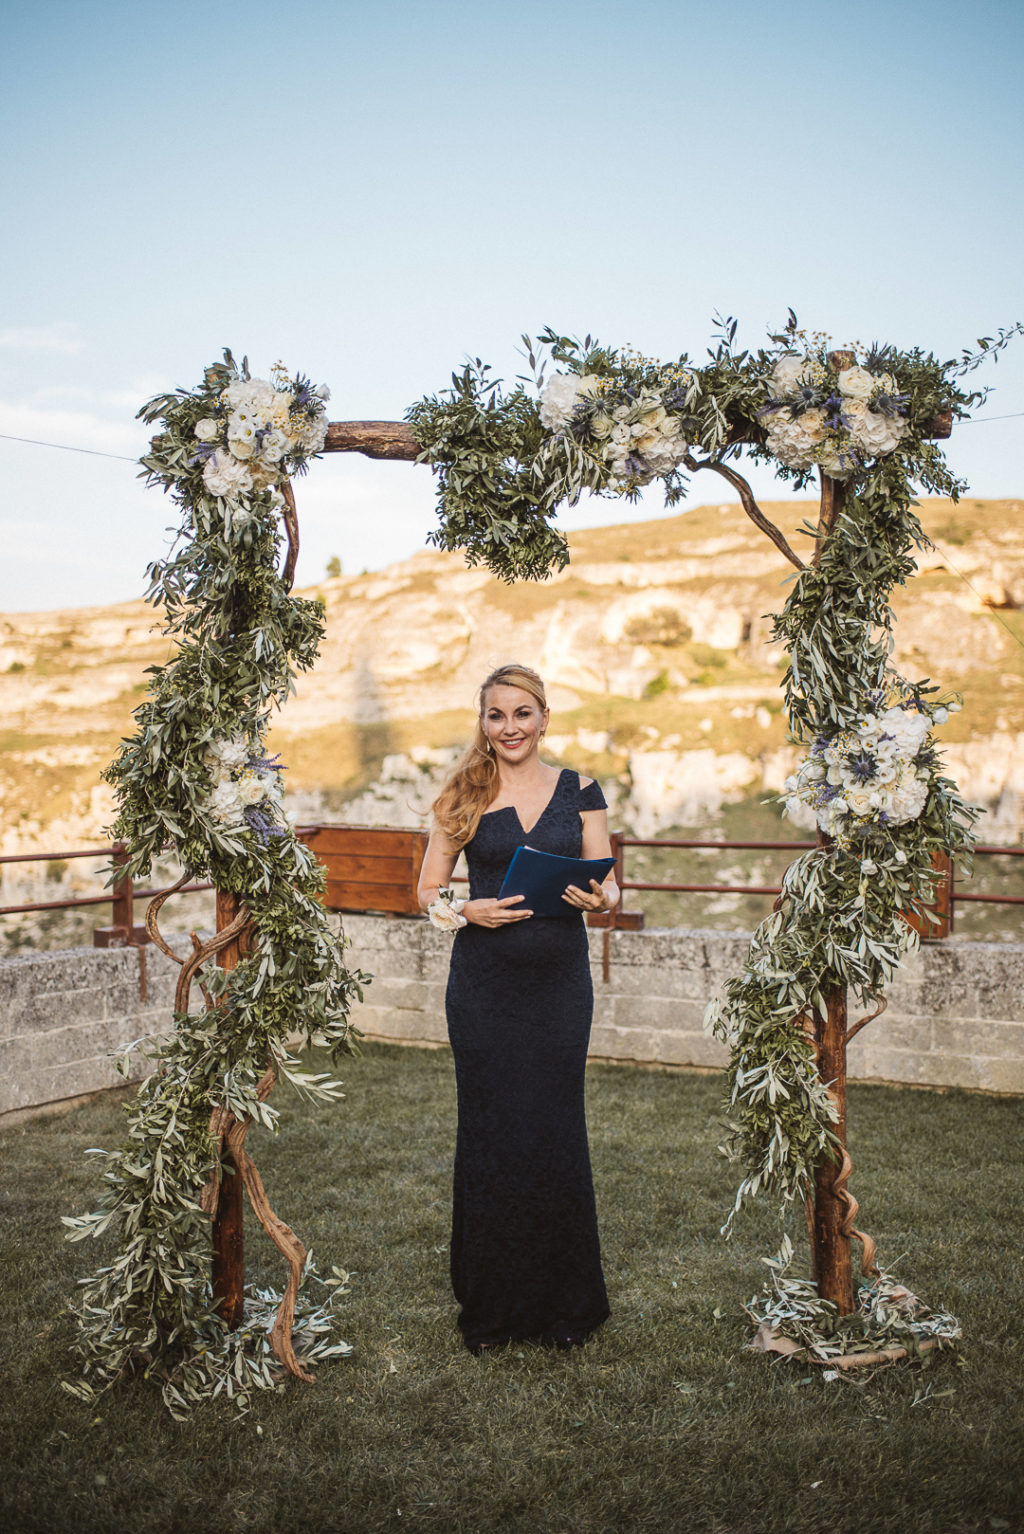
594, 899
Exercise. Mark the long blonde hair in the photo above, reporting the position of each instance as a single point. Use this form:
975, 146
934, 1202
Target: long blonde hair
473, 782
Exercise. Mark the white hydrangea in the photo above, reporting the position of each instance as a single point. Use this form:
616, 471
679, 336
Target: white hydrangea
225, 475
224, 804
876, 435
228, 752
794, 439
789, 374
906, 727
559, 396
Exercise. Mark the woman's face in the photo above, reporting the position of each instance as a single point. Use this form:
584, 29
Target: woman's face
513, 722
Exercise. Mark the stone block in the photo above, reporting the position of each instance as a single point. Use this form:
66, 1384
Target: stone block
690, 1049
875, 1062
658, 1013
55, 1083
981, 1037
51, 1010
404, 995
895, 1031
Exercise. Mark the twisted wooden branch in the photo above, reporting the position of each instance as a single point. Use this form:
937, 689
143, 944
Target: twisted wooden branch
850, 1205
750, 506
291, 526
229, 1134
863, 1022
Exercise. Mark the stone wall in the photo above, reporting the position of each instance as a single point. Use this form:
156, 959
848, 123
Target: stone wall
66, 1016
955, 1017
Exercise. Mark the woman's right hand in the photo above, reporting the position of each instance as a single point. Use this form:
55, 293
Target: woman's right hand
494, 913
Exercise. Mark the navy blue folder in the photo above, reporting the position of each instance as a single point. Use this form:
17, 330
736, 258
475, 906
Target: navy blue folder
542, 877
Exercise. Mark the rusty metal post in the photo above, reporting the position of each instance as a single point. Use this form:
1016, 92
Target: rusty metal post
228, 1270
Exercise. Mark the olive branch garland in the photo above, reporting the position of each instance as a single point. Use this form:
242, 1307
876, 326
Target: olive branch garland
503, 470
239, 638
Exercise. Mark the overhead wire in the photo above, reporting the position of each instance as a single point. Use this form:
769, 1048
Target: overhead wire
65, 448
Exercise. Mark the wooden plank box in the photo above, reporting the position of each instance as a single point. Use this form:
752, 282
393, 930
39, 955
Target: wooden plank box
369, 868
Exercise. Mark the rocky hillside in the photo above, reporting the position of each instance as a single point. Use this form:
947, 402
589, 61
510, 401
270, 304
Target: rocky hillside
654, 643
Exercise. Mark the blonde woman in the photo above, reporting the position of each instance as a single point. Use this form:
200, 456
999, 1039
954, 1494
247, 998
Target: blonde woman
525, 1258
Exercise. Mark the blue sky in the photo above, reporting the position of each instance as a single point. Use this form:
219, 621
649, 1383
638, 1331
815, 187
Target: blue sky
371, 193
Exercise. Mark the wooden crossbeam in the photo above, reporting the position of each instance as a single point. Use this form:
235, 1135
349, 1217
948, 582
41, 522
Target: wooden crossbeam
395, 440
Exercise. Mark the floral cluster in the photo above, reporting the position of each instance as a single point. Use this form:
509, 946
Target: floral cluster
838, 420
633, 427
247, 788
257, 430
446, 911
877, 773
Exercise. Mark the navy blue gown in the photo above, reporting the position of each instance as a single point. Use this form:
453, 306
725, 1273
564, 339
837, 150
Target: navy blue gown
525, 1257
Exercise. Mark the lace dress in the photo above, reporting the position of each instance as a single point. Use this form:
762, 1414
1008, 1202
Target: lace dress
525, 1258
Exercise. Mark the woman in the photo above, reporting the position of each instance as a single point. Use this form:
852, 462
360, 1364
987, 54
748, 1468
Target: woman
525, 1259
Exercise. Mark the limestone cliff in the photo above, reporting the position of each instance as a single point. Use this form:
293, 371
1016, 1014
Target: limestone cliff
654, 643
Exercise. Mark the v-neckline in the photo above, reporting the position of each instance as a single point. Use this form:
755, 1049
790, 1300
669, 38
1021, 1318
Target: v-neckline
529, 830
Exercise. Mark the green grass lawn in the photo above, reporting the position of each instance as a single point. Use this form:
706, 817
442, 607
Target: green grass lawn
664, 1422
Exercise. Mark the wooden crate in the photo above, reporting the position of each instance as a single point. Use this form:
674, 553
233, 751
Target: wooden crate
369, 868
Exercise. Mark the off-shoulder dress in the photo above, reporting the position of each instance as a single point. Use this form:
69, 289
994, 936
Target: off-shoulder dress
525, 1257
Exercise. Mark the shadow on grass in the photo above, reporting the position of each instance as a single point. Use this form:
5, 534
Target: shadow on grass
664, 1422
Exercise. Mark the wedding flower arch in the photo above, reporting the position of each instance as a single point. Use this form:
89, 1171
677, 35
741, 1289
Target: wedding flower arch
195, 774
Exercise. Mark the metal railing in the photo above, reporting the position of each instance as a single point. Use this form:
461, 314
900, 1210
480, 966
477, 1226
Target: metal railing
955, 895
122, 894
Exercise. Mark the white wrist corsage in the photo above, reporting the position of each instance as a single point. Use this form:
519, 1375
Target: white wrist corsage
446, 911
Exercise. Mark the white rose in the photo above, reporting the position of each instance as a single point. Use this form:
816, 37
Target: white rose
856, 383
814, 770
859, 800
559, 396
226, 476
208, 430
854, 411
601, 426
251, 789
274, 447
243, 447
788, 374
